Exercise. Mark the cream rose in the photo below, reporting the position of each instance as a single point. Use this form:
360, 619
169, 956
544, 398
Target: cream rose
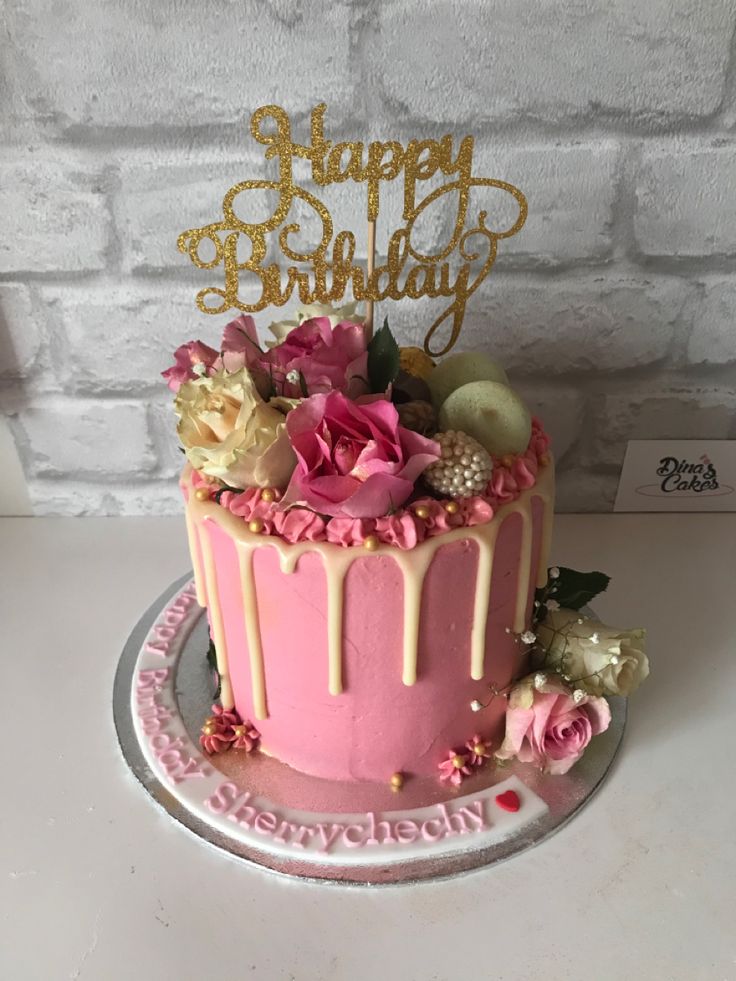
230, 433
602, 660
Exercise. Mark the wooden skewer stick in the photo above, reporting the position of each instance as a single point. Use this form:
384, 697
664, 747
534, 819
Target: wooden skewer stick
371, 267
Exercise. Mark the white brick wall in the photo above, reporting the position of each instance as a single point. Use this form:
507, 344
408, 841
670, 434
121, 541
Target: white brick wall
123, 123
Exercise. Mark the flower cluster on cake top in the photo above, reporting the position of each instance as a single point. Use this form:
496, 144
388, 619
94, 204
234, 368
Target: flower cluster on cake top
326, 433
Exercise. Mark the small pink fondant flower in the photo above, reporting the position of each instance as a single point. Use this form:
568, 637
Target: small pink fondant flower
245, 736
455, 768
226, 717
546, 726
217, 734
190, 360
478, 751
354, 460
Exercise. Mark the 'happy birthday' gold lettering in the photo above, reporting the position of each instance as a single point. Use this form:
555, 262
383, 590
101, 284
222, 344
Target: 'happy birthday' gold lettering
408, 272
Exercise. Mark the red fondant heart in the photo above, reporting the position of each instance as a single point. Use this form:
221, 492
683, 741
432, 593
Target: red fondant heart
508, 801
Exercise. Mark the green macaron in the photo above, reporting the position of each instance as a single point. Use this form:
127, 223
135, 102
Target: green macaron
490, 412
459, 369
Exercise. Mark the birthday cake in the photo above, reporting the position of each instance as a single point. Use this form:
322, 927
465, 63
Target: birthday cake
370, 523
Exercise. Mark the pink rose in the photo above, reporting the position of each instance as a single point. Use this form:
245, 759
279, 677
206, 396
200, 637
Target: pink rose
353, 460
240, 343
546, 726
317, 357
185, 358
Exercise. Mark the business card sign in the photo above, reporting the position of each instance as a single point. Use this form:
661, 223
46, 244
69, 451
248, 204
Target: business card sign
678, 475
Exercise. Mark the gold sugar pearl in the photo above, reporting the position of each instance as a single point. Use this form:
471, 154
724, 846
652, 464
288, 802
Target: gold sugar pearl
202, 493
397, 781
208, 729
507, 460
422, 511
256, 526
479, 749
371, 543
458, 761
268, 495
452, 507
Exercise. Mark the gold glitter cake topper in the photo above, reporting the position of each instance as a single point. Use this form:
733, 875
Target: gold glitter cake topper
408, 272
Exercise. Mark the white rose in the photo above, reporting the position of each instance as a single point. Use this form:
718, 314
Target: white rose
603, 660
230, 433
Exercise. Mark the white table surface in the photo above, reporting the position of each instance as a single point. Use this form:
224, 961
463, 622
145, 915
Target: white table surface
98, 884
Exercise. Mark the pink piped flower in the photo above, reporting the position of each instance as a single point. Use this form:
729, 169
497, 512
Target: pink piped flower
540, 441
475, 511
439, 520
404, 529
349, 531
455, 768
299, 525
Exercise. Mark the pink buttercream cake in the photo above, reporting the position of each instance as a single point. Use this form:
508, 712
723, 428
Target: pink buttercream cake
357, 665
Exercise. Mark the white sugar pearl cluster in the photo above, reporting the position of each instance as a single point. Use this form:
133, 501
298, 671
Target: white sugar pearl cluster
464, 467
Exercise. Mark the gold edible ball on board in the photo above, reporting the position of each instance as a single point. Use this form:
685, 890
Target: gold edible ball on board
256, 526
452, 507
397, 781
371, 543
202, 493
268, 495
422, 511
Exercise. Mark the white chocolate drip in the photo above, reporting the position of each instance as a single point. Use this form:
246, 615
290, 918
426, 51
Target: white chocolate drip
252, 629
486, 542
524, 580
414, 570
218, 628
195, 551
548, 501
337, 561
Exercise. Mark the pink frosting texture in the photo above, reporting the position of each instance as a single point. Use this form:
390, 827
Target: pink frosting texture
403, 529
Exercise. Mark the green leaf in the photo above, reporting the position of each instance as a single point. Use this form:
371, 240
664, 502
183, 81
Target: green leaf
383, 359
574, 590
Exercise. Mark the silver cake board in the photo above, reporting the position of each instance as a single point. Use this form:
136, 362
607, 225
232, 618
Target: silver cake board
550, 801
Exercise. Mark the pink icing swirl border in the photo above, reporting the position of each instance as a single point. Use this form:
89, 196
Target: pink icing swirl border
404, 528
